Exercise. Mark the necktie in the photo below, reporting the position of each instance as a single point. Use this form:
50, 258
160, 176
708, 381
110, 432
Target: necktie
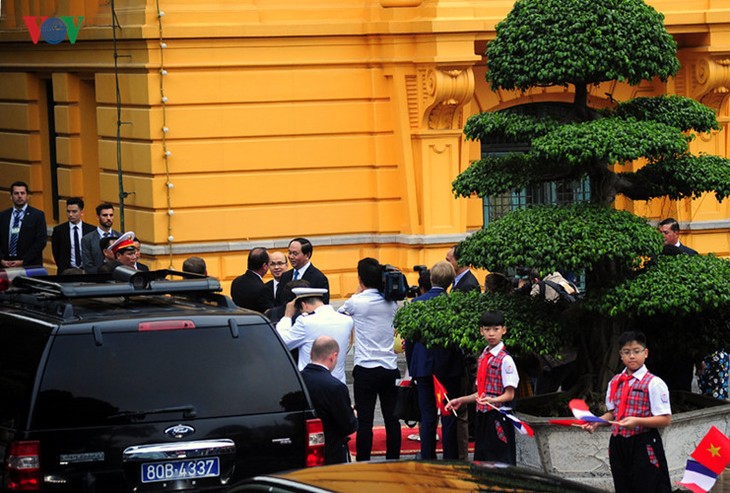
624, 378
106, 234
13, 245
77, 248
296, 275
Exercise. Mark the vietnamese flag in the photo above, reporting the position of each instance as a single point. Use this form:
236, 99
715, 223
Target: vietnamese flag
441, 396
713, 452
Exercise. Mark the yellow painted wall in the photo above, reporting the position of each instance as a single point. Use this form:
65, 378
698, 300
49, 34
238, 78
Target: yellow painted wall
336, 120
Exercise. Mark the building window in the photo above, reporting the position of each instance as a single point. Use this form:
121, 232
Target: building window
553, 193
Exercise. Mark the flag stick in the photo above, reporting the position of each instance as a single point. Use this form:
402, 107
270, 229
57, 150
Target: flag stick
448, 401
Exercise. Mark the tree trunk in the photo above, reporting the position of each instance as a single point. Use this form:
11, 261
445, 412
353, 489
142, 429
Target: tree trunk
580, 102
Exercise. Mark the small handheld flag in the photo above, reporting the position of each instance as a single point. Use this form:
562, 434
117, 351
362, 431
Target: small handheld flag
581, 411
521, 427
567, 422
708, 460
441, 396
697, 477
713, 451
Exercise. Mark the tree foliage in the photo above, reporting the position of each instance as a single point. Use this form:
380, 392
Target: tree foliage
567, 238
556, 43
682, 177
682, 113
453, 320
698, 284
579, 43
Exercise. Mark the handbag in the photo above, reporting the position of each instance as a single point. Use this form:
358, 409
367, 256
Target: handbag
406, 403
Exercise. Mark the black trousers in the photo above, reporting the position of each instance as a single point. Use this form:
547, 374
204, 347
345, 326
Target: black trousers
429, 418
368, 385
494, 438
638, 463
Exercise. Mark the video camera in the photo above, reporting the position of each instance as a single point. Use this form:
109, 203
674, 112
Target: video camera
395, 284
424, 281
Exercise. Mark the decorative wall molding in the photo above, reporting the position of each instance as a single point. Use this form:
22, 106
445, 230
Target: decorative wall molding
400, 3
362, 239
710, 80
359, 239
442, 94
317, 241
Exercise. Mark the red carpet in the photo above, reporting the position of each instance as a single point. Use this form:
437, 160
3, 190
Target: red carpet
407, 447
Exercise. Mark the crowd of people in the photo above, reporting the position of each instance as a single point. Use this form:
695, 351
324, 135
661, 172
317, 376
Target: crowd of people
296, 300
637, 401
78, 247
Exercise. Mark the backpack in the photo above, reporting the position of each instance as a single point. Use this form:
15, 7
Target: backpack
560, 289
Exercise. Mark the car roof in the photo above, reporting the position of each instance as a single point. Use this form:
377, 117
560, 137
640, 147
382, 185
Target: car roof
407, 476
126, 294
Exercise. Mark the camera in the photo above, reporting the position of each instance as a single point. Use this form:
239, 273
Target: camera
395, 284
424, 281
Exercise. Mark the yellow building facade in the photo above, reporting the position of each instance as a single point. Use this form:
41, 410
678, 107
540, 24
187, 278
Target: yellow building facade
242, 123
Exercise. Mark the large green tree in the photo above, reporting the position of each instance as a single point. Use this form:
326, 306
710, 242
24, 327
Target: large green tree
578, 44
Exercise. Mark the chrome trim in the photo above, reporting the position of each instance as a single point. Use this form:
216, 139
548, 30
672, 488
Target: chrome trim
179, 450
53, 479
286, 483
179, 431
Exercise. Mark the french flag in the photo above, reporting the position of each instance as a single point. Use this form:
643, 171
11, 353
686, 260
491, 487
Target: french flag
521, 427
697, 477
581, 411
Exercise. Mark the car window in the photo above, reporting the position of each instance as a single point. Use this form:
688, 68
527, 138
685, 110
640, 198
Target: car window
21, 348
87, 383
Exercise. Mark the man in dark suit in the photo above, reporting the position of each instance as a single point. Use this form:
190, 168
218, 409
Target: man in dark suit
196, 265
465, 280
277, 267
91, 253
669, 227
300, 255
447, 365
138, 249
249, 290
331, 399
23, 234
66, 237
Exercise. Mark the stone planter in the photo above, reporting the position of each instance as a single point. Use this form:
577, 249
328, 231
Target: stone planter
574, 454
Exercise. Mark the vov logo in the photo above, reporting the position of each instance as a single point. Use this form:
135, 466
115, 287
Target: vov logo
53, 30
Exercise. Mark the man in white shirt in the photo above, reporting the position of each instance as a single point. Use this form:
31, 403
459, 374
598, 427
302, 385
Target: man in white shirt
376, 366
316, 319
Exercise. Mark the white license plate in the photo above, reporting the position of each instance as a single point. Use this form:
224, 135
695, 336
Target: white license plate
180, 469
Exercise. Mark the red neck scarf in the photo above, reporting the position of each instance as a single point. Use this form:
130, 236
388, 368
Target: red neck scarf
624, 378
482, 372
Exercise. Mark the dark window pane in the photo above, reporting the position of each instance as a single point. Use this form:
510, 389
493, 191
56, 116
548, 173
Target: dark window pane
21, 349
140, 371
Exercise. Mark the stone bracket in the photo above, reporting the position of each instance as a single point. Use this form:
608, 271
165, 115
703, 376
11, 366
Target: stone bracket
710, 81
437, 96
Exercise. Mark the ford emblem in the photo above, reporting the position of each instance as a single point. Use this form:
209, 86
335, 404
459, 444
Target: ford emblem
179, 431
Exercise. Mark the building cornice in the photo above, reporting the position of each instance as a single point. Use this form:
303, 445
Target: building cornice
359, 239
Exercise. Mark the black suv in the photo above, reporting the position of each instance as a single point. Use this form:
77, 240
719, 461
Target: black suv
144, 382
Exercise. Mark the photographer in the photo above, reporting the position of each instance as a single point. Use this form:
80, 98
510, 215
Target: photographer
424, 281
376, 368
